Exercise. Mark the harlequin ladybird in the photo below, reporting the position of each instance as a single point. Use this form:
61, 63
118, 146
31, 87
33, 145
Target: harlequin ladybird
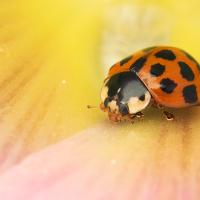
158, 76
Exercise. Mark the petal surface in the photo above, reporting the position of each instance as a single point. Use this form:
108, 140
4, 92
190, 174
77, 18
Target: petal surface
109, 162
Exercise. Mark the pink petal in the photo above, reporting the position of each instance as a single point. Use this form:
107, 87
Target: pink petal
105, 162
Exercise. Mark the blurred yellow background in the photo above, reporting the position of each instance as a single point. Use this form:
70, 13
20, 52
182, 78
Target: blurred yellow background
54, 54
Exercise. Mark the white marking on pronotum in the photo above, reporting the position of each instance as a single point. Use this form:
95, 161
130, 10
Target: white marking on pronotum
136, 105
113, 106
104, 93
119, 90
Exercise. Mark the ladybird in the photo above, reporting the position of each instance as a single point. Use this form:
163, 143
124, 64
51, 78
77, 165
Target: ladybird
160, 76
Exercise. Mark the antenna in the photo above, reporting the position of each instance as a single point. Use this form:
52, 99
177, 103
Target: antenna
89, 106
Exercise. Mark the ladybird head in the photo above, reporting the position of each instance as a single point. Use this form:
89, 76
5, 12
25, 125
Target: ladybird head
123, 94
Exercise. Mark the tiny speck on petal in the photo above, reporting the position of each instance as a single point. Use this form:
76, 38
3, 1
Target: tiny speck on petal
63, 82
113, 162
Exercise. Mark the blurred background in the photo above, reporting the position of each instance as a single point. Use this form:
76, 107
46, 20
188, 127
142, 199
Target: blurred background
54, 55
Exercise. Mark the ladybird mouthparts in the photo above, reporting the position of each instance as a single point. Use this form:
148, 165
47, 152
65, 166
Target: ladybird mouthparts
114, 106
113, 111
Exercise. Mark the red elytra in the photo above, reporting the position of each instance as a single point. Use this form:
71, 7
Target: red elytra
170, 74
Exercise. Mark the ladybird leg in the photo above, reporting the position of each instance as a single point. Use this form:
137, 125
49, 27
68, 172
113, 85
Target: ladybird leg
140, 116
169, 116
131, 118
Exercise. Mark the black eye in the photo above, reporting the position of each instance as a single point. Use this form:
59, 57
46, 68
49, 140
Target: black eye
107, 100
123, 109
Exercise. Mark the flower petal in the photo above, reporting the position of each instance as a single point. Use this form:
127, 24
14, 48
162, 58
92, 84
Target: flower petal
110, 162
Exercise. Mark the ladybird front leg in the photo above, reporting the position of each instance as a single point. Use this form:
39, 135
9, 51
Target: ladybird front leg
131, 118
169, 116
139, 115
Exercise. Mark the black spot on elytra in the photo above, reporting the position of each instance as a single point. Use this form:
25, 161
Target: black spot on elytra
190, 94
142, 98
165, 54
148, 49
123, 109
125, 60
167, 85
138, 64
157, 69
186, 71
